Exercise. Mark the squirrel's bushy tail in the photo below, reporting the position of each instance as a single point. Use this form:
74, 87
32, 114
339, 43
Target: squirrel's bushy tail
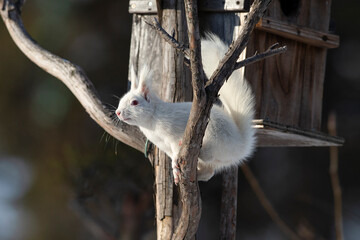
236, 95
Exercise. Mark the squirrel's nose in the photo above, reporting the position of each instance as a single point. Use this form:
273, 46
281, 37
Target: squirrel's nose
118, 112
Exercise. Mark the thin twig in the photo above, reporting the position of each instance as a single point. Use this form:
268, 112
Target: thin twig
92, 224
167, 37
335, 183
266, 203
272, 51
227, 64
258, 57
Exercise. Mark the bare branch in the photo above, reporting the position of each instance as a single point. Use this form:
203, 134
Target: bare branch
71, 75
335, 183
227, 64
189, 152
266, 203
168, 38
200, 111
272, 51
92, 224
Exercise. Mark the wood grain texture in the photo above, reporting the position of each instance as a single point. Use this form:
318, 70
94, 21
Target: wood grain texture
146, 49
301, 34
313, 14
288, 87
271, 134
172, 83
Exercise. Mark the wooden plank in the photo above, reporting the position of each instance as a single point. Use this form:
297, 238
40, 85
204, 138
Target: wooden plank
150, 6
288, 87
313, 14
141, 52
297, 33
272, 134
143, 6
224, 5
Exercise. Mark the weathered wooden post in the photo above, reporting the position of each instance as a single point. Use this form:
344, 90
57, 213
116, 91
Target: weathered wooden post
173, 84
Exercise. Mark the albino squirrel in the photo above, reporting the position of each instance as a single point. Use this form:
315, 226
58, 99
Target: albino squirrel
229, 137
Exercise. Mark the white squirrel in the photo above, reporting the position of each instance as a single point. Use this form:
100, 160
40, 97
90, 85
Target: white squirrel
229, 137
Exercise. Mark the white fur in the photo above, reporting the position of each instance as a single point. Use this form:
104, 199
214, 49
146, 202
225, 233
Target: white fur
229, 137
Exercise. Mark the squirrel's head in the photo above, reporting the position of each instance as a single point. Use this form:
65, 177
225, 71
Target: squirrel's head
136, 107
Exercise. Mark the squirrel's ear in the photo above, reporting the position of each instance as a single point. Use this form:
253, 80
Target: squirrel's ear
144, 90
133, 78
145, 81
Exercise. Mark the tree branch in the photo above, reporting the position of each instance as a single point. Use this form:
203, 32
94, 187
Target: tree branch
227, 64
189, 152
335, 182
71, 75
272, 51
200, 110
167, 37
266, 203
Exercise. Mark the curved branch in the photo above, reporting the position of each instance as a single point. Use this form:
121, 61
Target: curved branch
71, 75
264, 201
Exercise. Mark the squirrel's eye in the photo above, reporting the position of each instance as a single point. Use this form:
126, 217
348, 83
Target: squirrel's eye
134, 102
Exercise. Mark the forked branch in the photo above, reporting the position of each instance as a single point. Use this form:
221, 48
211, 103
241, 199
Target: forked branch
70, 74
204, 98
271, 51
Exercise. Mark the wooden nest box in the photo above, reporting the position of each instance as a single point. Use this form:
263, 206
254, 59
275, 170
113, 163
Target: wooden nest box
288, 87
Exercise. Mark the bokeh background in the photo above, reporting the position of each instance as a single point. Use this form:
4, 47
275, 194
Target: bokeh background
63, 177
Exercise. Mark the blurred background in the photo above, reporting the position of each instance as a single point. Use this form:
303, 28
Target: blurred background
63, 177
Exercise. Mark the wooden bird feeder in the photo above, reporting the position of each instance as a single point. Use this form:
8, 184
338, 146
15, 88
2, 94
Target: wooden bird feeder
288, 87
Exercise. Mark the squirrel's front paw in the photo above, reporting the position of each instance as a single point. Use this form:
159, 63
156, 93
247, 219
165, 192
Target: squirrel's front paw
176, 171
